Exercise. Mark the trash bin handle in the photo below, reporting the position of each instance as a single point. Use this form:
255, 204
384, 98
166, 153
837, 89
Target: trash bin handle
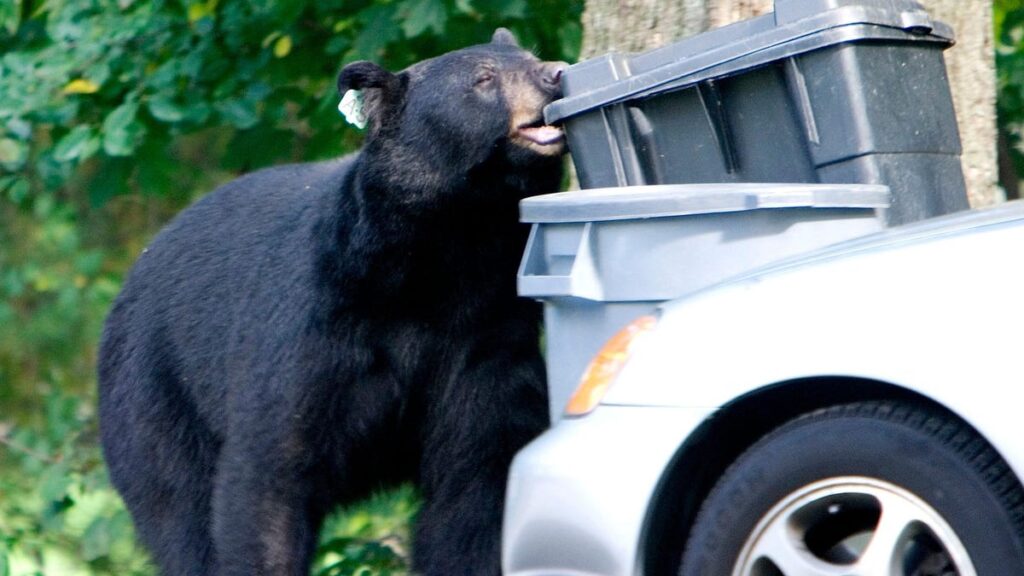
917, 22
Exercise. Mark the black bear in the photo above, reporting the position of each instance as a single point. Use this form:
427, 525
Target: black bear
308, 333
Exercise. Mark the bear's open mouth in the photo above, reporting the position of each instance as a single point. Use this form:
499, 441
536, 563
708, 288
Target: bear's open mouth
540, 133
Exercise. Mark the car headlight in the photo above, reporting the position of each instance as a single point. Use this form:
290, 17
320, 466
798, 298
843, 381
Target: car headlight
605, 367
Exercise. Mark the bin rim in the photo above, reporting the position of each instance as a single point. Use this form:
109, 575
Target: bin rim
739, 47
667, 200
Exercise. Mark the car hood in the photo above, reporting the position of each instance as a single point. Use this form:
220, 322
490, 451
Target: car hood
943, 229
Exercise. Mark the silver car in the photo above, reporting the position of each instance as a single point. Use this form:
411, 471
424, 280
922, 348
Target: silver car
853, 412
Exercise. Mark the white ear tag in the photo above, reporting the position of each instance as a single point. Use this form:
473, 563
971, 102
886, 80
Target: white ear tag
352, 108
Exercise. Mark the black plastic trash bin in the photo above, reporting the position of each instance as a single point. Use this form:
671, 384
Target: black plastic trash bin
820, 91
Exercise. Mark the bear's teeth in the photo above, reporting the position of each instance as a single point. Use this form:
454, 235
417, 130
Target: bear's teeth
542, 134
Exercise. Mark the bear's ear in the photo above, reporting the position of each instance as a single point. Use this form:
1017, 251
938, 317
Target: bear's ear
381, 90
504, 36
361, 75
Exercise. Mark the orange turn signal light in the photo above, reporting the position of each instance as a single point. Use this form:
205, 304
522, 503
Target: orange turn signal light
605, 367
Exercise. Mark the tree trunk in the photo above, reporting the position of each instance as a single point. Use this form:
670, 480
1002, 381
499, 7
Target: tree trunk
972, 77
636, 25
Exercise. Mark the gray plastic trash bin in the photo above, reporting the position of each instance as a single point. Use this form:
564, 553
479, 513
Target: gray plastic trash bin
600, 258
834, 91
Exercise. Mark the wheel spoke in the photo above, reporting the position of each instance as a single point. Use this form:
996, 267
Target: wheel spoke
788, 554
886, 542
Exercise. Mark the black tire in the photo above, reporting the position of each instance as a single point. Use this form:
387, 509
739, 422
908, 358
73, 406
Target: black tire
905, 454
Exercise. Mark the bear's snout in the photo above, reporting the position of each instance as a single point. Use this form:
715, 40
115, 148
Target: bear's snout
527, 95
551, 77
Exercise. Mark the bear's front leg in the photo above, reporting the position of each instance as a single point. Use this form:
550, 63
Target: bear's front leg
490, 411
264, 518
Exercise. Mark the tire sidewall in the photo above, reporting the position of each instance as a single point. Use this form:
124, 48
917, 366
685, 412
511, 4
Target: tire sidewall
809, 451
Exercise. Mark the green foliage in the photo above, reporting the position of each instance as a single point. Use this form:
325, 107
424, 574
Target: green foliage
1009, 41
57, 512
83, 77
371, 539
115, 114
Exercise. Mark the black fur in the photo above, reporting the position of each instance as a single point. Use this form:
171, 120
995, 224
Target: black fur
308, 333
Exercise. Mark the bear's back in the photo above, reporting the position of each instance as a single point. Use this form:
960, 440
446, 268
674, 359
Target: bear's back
240, 261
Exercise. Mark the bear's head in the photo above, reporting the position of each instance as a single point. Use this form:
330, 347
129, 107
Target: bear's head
478, 108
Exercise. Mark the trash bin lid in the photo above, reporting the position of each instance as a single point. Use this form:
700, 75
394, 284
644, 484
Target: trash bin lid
795, 27
637, 202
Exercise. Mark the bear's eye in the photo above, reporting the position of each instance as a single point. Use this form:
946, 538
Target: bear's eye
484, 76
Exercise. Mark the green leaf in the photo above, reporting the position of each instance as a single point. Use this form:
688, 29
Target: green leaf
17, 189
43, 206
78, 144
196, 112
121, 522
19, 128
54, 484
198, 11
337, 44
419, 15
269, 39
111, 179
165, 75
164, 109
122, 133
240, 113
156, 175
98, 73
513, 9
504, 9
97, 540
10, 15
89, 263
258, 146
257, 91
5, 569
570, 37
377, 30
12, 153
338, 545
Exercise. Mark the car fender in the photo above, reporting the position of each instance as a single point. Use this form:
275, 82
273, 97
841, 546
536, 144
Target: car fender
938, 315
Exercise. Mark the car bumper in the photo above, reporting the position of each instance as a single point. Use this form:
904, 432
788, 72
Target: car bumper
578, 495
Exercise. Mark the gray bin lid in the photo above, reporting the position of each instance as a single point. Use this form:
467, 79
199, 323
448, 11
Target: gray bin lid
640, 202
795, 27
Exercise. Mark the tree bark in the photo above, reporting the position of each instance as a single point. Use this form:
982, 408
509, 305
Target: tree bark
972, 78
636, 25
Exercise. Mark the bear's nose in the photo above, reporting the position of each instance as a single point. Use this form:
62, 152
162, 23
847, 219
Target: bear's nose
551, 75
